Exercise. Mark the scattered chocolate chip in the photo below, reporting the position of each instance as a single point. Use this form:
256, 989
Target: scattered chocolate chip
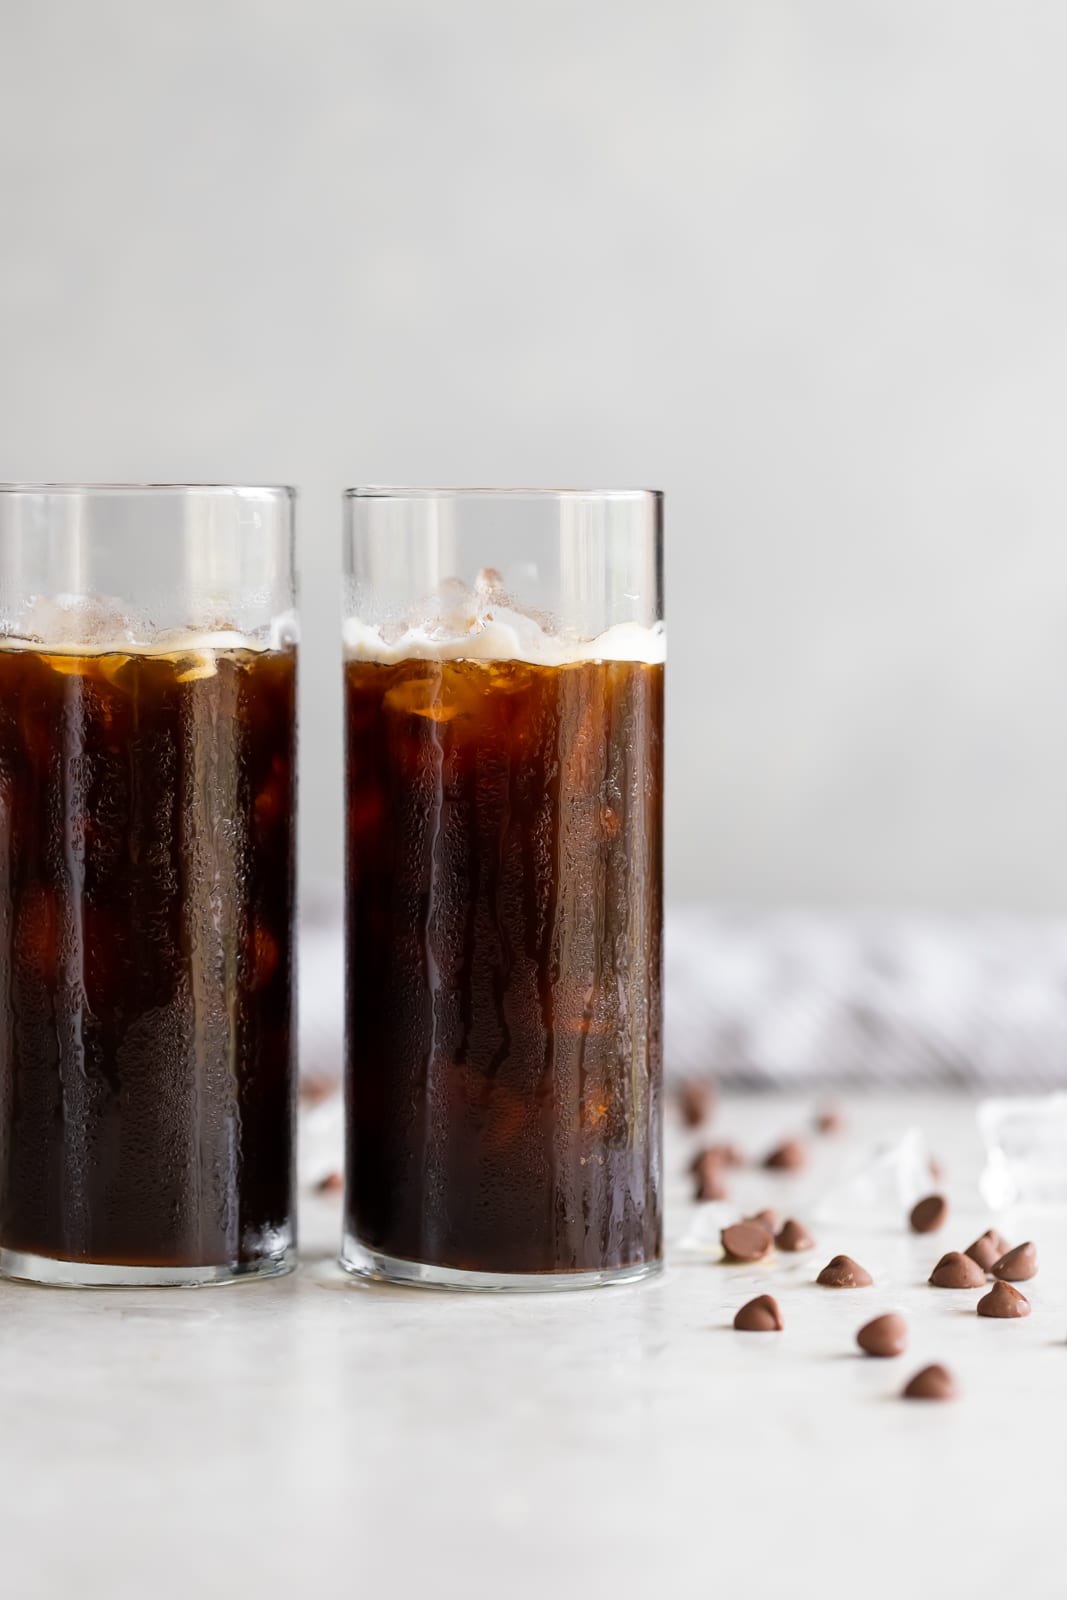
829, 1120
793, 1235
988, 1249
935, 1169
844, 1273
1018, 1265
316, 1087
332, 1183
885, 1336
932, 1383
1003, 1301
745, 1241
788, 1157
957, 1271
761, 1315
696, 1101
765, 1219
929, 1214
726, 1153
710, 1178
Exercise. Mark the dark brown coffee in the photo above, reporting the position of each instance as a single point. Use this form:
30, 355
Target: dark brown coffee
504, 910
146, 912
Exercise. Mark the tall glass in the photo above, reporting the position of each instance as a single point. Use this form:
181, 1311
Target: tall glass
147, 791
504, 707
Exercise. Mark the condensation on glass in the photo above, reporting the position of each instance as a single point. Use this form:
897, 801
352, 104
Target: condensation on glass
504, 710
147, 788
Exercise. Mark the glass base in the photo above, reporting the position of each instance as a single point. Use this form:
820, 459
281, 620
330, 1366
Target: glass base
56, 1274
377, 1267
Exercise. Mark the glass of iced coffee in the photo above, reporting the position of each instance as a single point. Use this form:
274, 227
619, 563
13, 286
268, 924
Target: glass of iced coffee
147, 746
504, 716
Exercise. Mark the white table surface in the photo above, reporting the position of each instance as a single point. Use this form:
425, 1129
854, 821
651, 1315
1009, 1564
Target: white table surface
314, 1437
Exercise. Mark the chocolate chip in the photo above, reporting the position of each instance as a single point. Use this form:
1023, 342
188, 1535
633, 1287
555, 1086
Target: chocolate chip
731, 1154
885, 1336
929, 1214
829, 1120
788, 1157
726, 1153
696, 1101
932, 1383
1003, 1301
935, 1169
988, 1249
957, 1271
761, 1315
844, 1273
710, 1178
332, 1183
793, 1235
316, 1087
745, 1241
767, 1220
1018, 1265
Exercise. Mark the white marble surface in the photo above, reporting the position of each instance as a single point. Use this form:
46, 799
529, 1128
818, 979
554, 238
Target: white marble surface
309, 1436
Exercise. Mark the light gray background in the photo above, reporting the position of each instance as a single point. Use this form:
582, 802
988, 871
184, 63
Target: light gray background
803, 265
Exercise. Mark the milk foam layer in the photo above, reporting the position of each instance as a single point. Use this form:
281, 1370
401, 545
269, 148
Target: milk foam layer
79, 625
505, 635
170, 644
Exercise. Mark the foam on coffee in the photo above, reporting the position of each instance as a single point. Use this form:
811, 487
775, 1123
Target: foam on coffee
90, 625
497, 638
482, 623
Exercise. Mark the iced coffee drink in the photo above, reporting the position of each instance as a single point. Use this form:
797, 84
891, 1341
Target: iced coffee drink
146, 933
503, 946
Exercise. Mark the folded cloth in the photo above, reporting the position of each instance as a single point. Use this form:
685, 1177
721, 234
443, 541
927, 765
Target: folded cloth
796, 999
791, 998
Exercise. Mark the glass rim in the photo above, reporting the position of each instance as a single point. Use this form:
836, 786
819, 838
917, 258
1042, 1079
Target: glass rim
264, 491
378, 491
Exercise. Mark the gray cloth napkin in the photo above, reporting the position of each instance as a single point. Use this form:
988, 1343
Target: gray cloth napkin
795, 999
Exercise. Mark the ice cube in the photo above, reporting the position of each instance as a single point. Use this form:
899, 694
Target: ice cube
37, 944
420, 697
196, 664
452, 613
883, 1183
706, 1222
264, 953
77, 622
483, 622
1026, 1151
68, 666
270, 802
